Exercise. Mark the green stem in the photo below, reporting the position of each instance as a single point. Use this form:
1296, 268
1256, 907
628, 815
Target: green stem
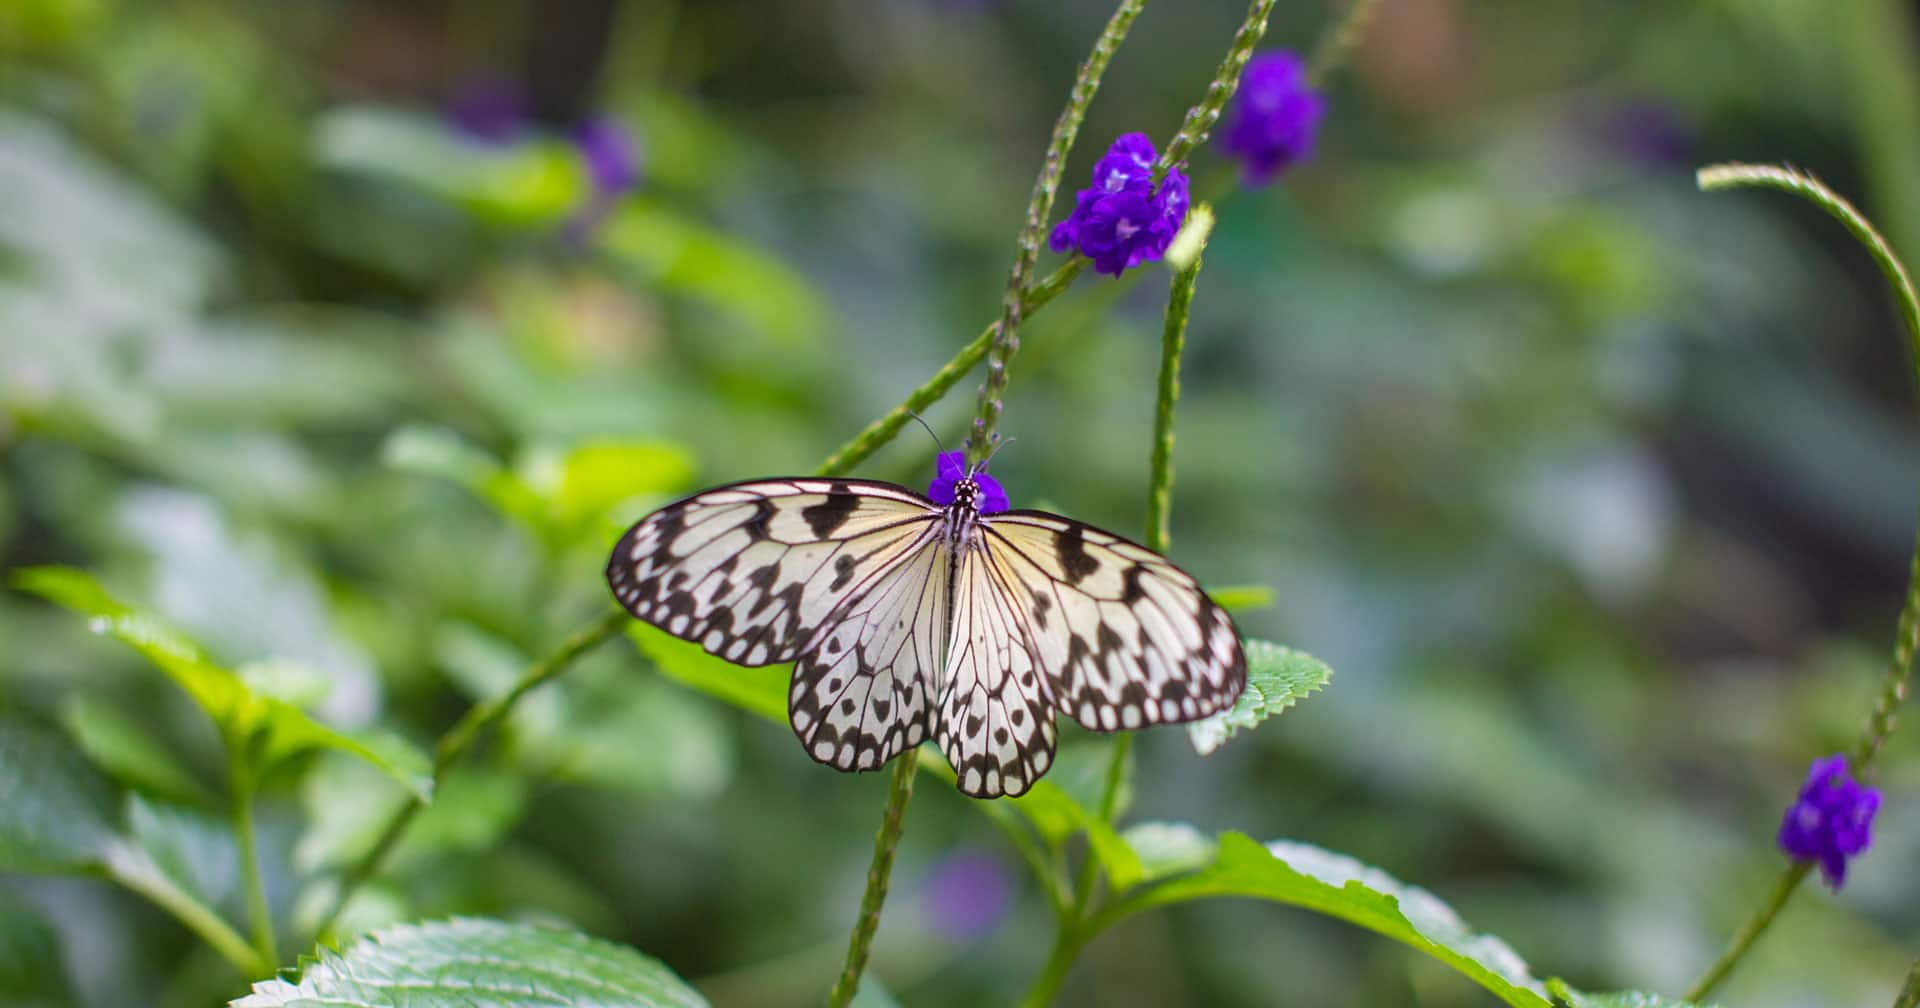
1006, 336
154, 884
1338, 42
1730, 176
883, 430
1074, 929
1880, 722
1743, 940
1893, 689
899, 790
1910, 994
1001, 341
1226, 80
478, 720
259, 914
1173, 341
1066, 947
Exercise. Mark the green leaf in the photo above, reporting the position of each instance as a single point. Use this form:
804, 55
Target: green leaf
761, 691
56, 811
521, 185
1053, 813
1575, 998
1241, 598
1277, 678
473, 809
1165, 848
465, 961
197, 854
558, 493
171, 862
584, 483
268, 728
123, 748
1338, 886
684, 256
433, 451
1080, 769
30, 961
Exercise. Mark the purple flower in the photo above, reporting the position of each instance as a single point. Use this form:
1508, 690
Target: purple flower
1831, 821
952, 468
612, 155
1273, 118
1122, 221
968, 894
489, 110
1644, 131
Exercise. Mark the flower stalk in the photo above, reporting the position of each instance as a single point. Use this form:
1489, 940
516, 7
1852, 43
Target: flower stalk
1897, 681
1337, 44
1910, 994
860, 945
478, 721
241, 781
1195, 128
1006, 337
1005, 341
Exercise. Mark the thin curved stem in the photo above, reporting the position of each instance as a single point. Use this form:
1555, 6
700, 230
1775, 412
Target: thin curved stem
1003, 340
259, 914
1735, 175
1880, 722
1198, 124
885, 843
1006, 336
124, 866
1749, 932
883, 430
1066, 947
1336, 45
1910, 994
479, 719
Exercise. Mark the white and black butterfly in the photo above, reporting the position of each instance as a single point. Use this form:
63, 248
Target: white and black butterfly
948, 618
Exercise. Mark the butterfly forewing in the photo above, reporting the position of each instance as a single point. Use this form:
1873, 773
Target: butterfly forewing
994, 724
753, 571
863, 689
1126, 639
908, 620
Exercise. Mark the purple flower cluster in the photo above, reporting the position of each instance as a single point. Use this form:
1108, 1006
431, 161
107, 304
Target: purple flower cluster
494, 112
489, 110
1831, 821
1123, 220
952, 468
1274, 117
969, 894
611, 153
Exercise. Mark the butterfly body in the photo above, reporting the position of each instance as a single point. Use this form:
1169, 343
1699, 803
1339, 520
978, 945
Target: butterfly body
910, 618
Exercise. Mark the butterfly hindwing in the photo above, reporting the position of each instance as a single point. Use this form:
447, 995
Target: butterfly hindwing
862, 690
993, 722
1126, 638
752, 571
908, 620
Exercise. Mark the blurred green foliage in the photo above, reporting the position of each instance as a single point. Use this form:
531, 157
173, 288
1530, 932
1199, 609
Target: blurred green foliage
1596, 491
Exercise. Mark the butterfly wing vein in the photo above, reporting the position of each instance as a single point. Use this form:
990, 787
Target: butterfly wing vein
898, 634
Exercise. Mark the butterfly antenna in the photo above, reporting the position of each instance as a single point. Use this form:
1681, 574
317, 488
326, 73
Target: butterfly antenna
929, 427
998, 444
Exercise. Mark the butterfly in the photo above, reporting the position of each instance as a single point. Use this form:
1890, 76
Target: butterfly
946, 616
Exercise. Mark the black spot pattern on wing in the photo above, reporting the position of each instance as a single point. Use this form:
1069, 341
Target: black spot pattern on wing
1129, 639
994, 723
747, 571
860, 694
900, 633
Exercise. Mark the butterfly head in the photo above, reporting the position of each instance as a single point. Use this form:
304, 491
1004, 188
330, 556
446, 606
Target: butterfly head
958, 485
